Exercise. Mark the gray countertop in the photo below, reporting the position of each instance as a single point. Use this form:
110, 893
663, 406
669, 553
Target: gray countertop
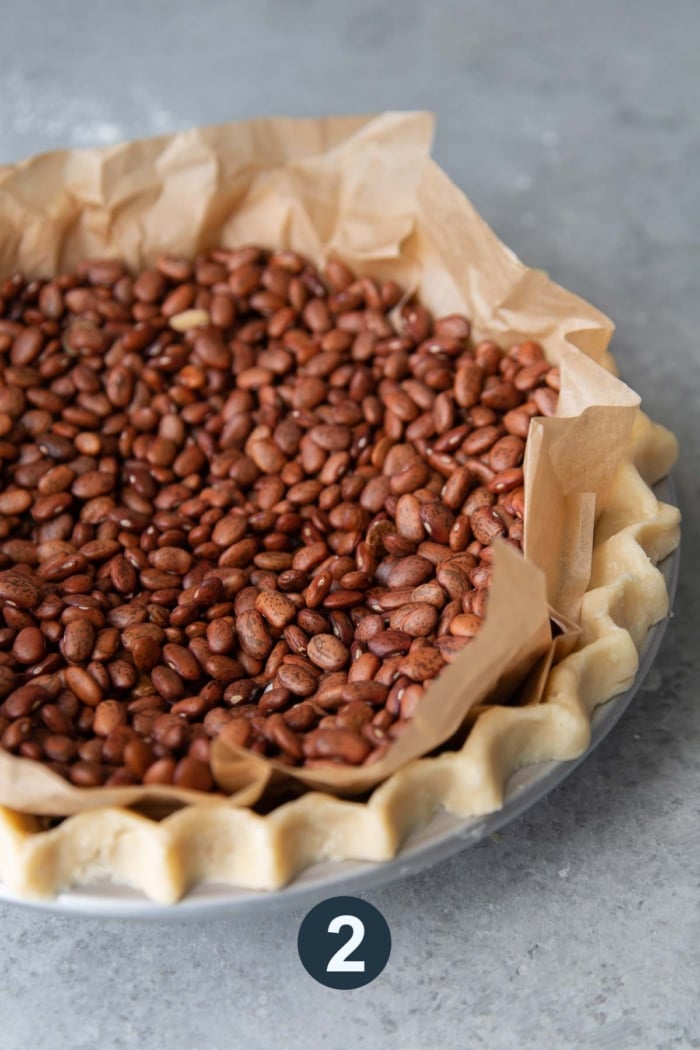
574, 128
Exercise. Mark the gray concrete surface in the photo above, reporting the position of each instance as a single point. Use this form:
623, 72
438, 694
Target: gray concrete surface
574, 128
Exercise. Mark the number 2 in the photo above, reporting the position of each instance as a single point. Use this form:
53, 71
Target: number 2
339, 963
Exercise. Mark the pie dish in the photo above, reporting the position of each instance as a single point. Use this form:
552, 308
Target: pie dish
228, 841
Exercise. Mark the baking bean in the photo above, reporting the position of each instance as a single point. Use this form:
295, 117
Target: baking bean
308, 557
220, 636
486, 524
354, 715
318, 589
301, 717
59, 717
527, 353
343, 744
191, 774
465, 625
121, 777
200, 750
145, 653
409, 700
115, 743
390, 599
236, 733
59, 748
388, 642
86, 774
553, 381
81, 682
276, 608
274, 486
411, 477
506, 453
223, 668
437, 521
122, 674
281, 734
327, 652
456, 488
364, 668
138, 756
181, 660
417, 619
16, 733
17, 589
545, 401
171, 731
342, 599
161, 771
23, 700
167, 683
298, 680
408, 518
273, 700
502, 397
29, 646
123, 575
8, 679
422, 664
468, 384
529, 376
171, 559
78, 641
14, 501
191, 707
108, 715
409, 572
506, 481
480, 602
253, 634
355, 580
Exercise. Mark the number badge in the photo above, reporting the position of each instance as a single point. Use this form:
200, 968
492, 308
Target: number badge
344, 942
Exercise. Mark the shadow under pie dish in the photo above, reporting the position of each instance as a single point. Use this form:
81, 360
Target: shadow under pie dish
372, 449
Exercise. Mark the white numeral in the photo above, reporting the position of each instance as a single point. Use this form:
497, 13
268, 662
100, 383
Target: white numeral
340, 963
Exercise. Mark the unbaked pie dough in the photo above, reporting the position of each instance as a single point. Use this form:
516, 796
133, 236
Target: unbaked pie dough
634, 532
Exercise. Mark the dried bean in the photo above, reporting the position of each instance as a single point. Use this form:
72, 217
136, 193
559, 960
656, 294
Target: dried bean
235, 473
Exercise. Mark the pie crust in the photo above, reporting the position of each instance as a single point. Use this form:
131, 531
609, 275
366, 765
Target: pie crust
219, 842
130, 199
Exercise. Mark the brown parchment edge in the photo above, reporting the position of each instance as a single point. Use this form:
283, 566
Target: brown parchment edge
570, 462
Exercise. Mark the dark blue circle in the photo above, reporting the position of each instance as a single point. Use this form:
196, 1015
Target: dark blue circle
325, 948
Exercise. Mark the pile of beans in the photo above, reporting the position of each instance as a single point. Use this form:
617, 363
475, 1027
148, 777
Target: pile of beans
241, 496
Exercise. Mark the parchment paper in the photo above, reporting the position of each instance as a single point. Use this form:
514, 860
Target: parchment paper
364, 189
570, 462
